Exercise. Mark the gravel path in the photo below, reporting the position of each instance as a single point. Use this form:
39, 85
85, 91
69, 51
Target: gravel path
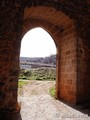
37, 104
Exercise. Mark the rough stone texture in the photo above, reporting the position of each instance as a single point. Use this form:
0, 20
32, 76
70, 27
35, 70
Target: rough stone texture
10, 28
67, 64
83, 68
68, 22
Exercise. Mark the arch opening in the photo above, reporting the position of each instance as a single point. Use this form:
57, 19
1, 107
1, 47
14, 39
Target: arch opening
38, 63
39, 41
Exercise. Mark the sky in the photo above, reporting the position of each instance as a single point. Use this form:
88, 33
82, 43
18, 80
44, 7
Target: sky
37, 43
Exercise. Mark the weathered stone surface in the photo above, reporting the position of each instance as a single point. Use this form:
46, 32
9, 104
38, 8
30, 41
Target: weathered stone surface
68, 22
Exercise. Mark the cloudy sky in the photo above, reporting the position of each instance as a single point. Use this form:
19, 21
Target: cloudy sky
37, 43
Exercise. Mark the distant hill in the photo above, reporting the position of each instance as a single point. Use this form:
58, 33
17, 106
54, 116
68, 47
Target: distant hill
47, 60
38, 68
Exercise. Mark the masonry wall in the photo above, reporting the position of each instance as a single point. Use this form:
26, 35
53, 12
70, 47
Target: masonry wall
11, 27
8, 73
67, 64
83, 70
73, 51
73, 66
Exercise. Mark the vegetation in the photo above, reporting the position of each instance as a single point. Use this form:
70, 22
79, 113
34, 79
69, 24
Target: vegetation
46, 74
52, 91
38, 74
48, 60
21, 83
42, 73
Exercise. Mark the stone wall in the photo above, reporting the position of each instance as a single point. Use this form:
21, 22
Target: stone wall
73, 66
73, 49
10, 36
83, 70
67, 64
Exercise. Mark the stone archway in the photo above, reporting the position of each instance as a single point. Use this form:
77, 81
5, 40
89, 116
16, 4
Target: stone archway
63, 32
71, 34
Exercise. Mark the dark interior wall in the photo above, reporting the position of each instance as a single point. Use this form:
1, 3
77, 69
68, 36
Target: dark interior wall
83, 70
11, 17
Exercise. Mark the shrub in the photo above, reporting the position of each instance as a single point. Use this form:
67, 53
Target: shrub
38, 74
53, 92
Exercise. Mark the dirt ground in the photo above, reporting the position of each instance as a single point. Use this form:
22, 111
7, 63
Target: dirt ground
37, 104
